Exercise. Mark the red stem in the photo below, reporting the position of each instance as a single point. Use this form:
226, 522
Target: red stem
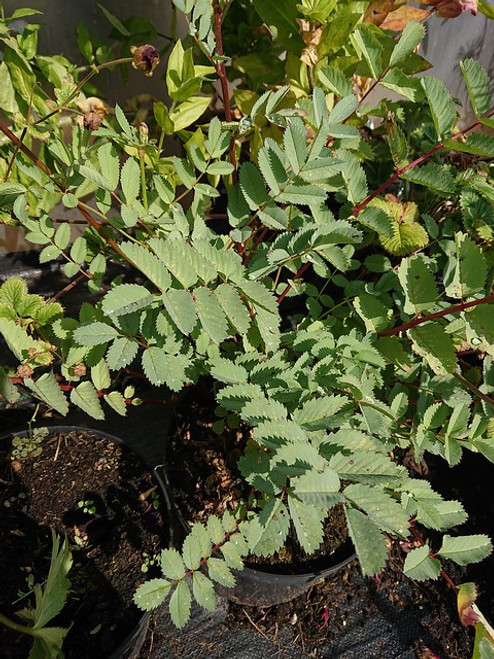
411, 165
221, 71
439, 314
298, 274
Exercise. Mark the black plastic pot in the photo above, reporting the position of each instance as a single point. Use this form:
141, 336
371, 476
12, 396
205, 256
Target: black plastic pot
132, 644
256, 587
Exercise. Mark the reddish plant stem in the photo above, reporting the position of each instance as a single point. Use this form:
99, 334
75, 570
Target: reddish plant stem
444, 574
414, 163
70, 286
221, 71
259, 240
297, 275
474, 389
439, 314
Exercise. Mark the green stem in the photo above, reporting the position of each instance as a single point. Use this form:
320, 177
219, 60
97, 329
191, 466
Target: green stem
143, 184
17, 627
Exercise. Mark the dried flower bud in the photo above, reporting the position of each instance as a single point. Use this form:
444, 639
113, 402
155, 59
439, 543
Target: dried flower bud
24, 371
453, 8
92, 121
80, 370
146, 58
143, 132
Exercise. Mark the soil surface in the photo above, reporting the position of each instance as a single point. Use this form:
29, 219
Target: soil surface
203, 473
109, 541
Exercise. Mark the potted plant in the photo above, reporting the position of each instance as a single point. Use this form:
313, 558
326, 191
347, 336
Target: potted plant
341, 306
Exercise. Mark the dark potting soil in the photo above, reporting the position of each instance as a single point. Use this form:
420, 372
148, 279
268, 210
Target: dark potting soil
202, 469
108, 545
334, 618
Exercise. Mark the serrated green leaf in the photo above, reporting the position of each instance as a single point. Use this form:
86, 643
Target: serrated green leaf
180, 604
252, 186
181, 308
226, 371
94, 334
334, 80
470, 269
295, 143
431, 342
215, 529
46, 387
130, 179
220, 572
121, 353
441, 104
432, 176
369, 542
100, 375
232, 555
419, 565
211, 315
418, 285
172, 564
376, 316
126, 299
161, 368
308, 523
316, 488
477, 82
91, 174
109, 164
410, 38
151, 594
365, 467
186, 113
466, 549
86, 397
117, 402
380, 507
149, 264
203, 590
478, 144
267, 532
316, 413
7, 389
233, 307
369, 47
481, 321
191, 552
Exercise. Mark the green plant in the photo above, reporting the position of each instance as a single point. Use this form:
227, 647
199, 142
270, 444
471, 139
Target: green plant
87, 506
343, 304
31, 445
49, 601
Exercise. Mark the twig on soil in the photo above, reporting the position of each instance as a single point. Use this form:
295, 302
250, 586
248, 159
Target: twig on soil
255, 626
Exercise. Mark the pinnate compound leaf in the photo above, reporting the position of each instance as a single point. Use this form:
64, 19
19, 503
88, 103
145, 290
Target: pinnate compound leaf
431, 342
180, 604
418, 285
57, 586
86, 397
172, 564
220, 572
466, 549
203, 590
46, 387
419, 565
410, 38
380, 507
151, 594
369, 542
308, 523
477, 81
94, 334
441, 104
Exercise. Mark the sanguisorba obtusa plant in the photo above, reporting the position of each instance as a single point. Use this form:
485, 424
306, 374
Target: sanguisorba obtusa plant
346, 313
